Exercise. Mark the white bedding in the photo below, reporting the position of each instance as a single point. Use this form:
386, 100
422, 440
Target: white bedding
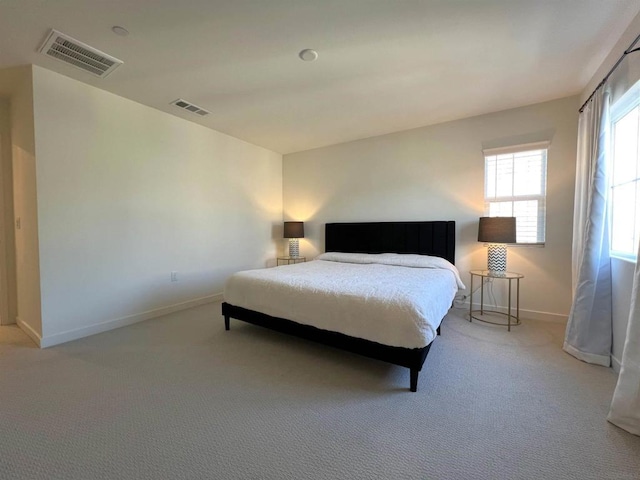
396, 300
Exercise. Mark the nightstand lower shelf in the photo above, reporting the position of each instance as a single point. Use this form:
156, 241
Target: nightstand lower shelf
509, 320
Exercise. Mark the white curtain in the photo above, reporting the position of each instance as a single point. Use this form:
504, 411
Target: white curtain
588, 132
589, 329
625, 407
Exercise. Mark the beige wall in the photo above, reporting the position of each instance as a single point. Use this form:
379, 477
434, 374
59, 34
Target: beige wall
128, 194
437, 173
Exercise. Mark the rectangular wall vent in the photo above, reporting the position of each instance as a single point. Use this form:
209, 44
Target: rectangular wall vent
190, 107
69, 50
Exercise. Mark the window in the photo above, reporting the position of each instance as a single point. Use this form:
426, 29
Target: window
625, 175
515, 185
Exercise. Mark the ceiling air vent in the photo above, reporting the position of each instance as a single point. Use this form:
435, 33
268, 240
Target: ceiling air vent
71, 51
190, 107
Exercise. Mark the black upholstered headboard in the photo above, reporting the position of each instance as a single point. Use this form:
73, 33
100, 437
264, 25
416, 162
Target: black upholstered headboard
436, 238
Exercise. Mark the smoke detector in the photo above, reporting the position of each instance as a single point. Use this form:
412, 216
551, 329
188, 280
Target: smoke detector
308, 55
73, 52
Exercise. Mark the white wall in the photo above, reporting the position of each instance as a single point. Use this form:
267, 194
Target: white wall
622, 270
437, 173
622, 282
127, 194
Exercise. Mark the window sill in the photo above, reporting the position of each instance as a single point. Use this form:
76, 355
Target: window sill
534, 245
623, 258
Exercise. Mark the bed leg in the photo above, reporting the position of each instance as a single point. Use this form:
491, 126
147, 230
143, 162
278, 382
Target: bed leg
226, 322
414, 379
438, 330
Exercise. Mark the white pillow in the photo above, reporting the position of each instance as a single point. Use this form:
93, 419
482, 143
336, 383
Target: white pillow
397, 259
349, 257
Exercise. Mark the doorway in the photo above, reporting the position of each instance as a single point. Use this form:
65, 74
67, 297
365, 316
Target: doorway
4, 308
8, 286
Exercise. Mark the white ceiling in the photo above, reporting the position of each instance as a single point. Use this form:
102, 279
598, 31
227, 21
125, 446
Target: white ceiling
383, 66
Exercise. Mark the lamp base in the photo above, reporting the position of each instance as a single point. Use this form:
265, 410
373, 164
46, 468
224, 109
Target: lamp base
294, 248
497, 258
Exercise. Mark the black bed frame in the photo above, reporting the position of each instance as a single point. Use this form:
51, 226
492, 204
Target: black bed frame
435, 238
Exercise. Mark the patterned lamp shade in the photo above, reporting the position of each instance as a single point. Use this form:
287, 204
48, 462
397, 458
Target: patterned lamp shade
293, 231
497, 232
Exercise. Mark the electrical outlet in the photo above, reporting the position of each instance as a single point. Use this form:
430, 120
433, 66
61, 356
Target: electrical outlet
174, 276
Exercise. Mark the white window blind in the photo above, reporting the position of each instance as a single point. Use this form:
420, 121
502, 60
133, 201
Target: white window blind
515, 186
625, 179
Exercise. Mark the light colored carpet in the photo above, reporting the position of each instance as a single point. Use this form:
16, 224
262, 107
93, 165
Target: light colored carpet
179, 398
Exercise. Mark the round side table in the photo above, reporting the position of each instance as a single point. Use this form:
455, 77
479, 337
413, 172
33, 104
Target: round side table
510, 319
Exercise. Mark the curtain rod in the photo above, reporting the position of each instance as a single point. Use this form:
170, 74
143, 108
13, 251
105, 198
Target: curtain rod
606, 77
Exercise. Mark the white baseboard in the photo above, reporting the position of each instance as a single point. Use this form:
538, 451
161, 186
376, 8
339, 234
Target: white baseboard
615, 364
26, 328
524, 313
58, 338
543, 316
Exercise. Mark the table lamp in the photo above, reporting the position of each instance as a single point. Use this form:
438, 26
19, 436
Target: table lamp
293, 231
497, 232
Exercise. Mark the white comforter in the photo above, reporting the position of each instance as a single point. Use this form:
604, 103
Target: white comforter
396, 300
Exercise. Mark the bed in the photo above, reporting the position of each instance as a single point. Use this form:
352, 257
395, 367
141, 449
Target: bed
370, 249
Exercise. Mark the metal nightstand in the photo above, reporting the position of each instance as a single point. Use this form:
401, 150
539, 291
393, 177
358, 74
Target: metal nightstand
510, 276
290, 260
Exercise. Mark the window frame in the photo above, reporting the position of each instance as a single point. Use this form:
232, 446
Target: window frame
514, 149
623, 106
